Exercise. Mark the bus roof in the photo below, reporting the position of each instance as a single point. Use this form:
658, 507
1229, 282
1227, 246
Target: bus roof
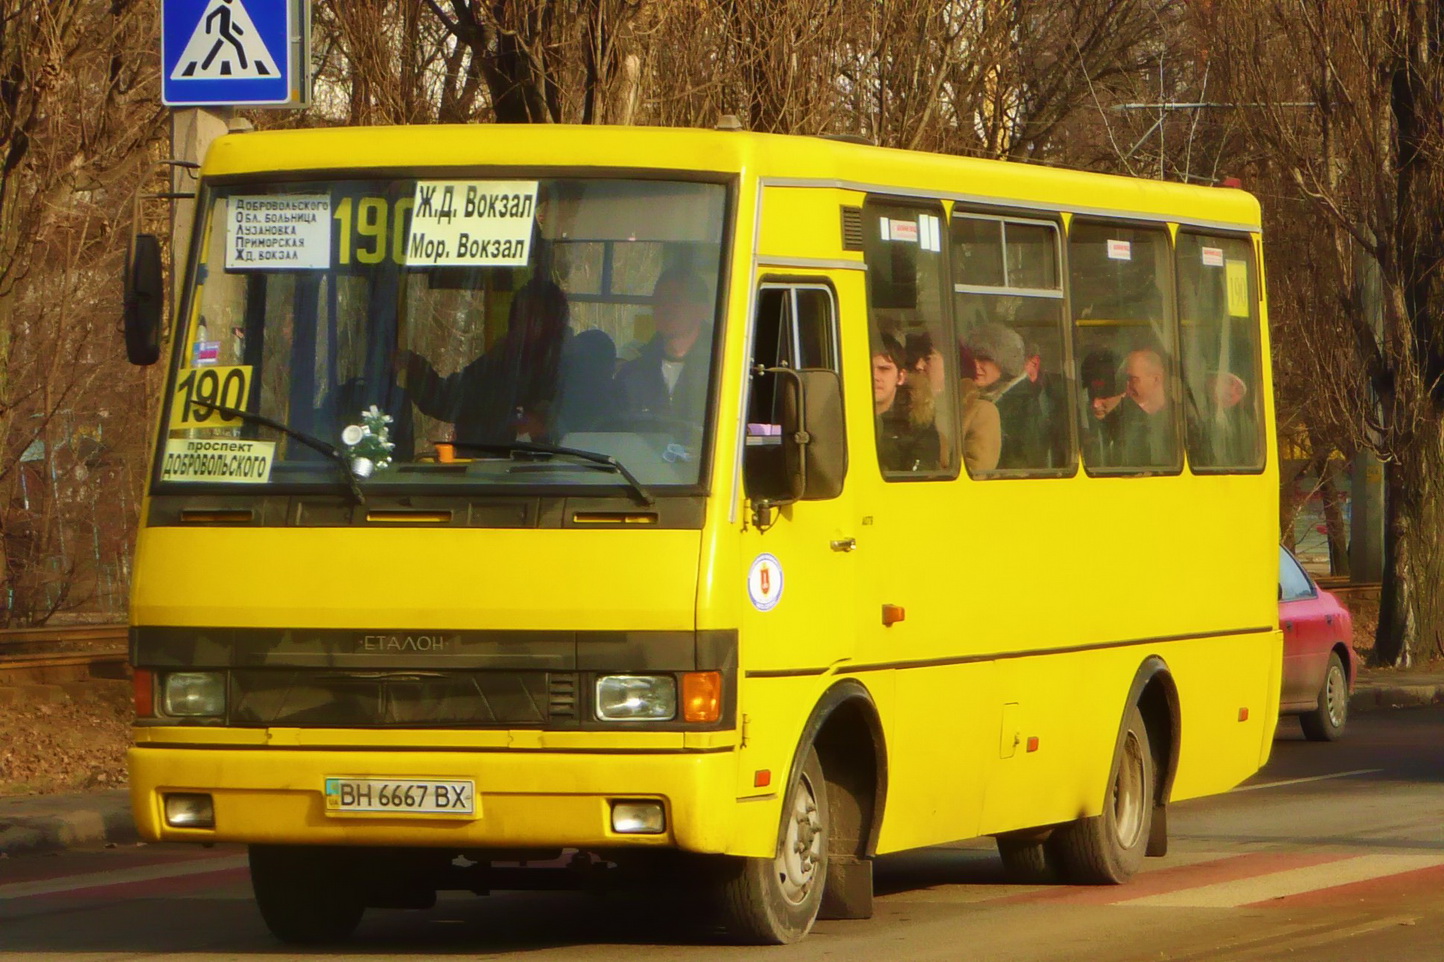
775, 158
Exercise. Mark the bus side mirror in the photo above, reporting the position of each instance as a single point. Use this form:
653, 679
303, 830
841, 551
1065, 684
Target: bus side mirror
144, 300
814, 447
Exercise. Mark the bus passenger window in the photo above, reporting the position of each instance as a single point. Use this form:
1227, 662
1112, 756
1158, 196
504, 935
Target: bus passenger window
1123, 323
914, 406
1217, 294
1008, 302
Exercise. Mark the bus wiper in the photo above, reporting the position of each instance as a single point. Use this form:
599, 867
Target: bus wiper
552, 450
310, 441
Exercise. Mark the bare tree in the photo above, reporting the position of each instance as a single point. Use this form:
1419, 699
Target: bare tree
1365, 161
79, 124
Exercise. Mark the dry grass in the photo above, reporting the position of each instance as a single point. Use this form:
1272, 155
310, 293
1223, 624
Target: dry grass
69, 738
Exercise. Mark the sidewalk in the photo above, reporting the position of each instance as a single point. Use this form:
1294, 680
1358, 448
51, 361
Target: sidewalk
33, 824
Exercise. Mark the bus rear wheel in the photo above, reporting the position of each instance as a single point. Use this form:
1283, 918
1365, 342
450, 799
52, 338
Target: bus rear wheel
1106, 849
774, 901
305, 894
1027, 858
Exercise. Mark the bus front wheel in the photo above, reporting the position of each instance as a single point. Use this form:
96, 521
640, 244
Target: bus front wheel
1108, 848
774, 901
305, 895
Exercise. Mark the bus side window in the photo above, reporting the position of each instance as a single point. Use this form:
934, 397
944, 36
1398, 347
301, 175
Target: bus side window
1123, 335
1217, 303
913, 369
1008, 303
796, 327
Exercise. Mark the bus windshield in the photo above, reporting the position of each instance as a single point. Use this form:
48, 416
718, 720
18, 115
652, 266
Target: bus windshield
449, 331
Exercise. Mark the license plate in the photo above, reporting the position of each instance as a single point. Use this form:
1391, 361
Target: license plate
401, 796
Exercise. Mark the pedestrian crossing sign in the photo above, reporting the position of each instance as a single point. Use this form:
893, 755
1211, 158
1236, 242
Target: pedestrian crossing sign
234, 52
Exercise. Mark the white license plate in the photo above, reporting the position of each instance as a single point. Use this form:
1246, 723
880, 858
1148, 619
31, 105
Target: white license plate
401, 796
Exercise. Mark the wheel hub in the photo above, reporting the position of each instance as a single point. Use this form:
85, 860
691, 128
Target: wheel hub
801, 846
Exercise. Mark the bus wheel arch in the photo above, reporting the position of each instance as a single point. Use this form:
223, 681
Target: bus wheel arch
839, 757
1156, 695
1106, 849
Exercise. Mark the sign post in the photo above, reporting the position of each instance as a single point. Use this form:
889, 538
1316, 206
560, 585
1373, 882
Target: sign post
217, 55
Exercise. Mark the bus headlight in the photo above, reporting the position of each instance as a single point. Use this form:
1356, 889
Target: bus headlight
636, 697
194, 693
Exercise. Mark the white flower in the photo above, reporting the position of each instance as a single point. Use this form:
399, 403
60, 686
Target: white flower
362, 467
352, 435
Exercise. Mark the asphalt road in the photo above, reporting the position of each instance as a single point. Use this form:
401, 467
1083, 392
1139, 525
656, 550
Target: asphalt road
1333, 853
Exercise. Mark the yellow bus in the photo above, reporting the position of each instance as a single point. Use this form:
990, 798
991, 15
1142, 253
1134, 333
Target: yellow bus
729, 507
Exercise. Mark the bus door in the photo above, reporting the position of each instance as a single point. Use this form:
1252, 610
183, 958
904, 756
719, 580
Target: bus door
799, 564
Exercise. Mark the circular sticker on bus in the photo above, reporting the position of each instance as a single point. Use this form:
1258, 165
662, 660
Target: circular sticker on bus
764, 582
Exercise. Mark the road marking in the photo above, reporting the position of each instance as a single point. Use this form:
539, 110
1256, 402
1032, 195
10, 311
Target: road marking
1277, 885
1301, 781
76, 883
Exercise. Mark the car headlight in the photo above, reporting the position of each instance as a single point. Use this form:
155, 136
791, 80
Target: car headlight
194, 693
636, 697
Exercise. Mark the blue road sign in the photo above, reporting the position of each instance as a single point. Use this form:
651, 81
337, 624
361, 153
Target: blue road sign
223, 52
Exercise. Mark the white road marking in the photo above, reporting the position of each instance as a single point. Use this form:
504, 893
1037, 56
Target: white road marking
72, 883
1301, 781
1275, 885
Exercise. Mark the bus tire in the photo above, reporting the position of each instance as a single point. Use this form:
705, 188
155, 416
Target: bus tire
1106, 849
304, 894
1326, 722
774, 901
1027, 859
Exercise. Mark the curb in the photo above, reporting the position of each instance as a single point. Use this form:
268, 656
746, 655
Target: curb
1396, 696
103, 819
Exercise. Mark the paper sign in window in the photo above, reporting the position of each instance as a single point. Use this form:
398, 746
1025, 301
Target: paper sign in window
1120, 250
217, 460
278, 232
472, 223
903, 230
198, 389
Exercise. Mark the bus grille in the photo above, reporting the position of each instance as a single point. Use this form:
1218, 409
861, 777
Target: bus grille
399, 699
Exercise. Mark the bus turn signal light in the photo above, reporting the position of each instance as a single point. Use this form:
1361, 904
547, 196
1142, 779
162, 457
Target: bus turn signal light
701, 696
143, 684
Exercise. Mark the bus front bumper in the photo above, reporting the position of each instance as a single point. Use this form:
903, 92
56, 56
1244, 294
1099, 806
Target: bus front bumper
522, 799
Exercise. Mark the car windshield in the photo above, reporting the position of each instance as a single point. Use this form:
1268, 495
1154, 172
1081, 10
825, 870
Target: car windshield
449, 331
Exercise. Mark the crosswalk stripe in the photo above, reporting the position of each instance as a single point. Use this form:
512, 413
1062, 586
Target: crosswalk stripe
93, 880
1274, 885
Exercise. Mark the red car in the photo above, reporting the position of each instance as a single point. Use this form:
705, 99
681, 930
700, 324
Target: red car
1319, 659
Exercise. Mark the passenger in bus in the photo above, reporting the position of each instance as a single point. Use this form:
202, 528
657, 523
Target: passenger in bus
665, 386
1050, 395
506, 394
1142, 424
1102, 384
981, 433
587, 397
904, 443
998, 356
1225, 432
927, 374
